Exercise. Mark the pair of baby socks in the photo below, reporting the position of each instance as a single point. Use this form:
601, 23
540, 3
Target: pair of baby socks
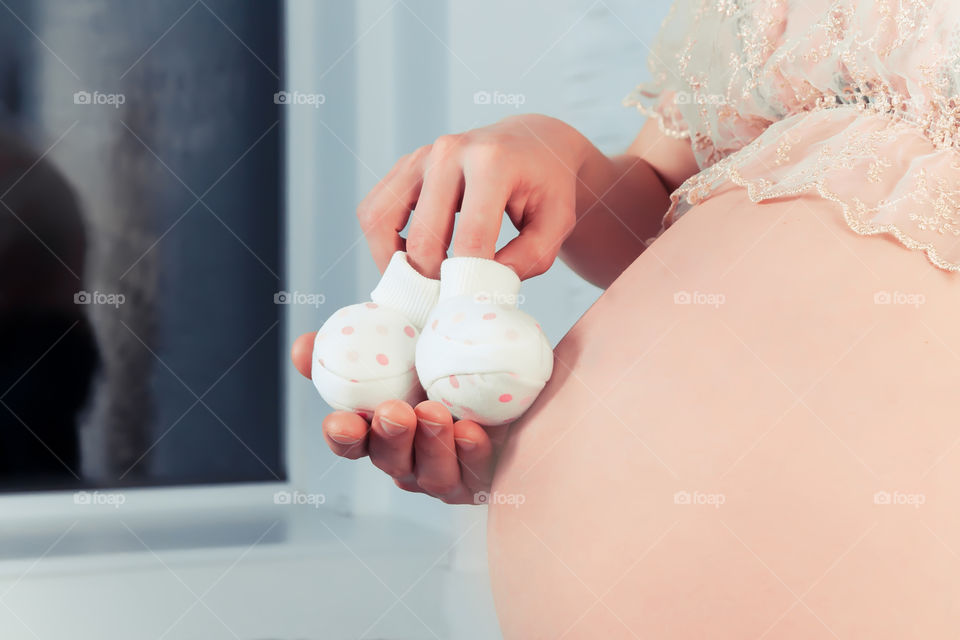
459, 340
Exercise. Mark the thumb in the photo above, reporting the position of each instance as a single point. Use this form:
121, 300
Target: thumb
302, 353
533, 251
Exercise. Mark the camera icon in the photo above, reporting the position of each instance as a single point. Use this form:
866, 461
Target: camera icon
281, 97
82, 97
81, 497
882, 497
882, 297
482, 97
681, 97
81, 297
481, 497
682, 297
281, 297
282, 497
682, 497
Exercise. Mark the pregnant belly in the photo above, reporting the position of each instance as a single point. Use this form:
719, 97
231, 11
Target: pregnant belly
751, 434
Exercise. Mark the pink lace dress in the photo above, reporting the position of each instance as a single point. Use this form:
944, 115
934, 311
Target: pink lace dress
858, 101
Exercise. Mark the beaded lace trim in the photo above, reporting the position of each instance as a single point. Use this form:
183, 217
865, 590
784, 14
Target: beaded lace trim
754, 85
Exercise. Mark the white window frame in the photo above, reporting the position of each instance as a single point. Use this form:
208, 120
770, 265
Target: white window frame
301, 444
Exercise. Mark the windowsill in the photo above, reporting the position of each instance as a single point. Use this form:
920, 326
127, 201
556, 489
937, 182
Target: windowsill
227, 563
197, 525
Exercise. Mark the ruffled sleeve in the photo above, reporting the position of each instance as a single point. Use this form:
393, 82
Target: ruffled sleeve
857, 101
703, 65
660, 97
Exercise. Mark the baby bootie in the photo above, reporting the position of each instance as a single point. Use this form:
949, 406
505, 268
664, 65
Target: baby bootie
364, 353
479, 355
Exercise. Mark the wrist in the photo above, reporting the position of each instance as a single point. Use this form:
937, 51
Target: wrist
596, 173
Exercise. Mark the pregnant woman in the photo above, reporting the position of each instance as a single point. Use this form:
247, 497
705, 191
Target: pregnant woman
753, 432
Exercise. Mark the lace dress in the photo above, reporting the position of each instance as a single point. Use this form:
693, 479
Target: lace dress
858, 101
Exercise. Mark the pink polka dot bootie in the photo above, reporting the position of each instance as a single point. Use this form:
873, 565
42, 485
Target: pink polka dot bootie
479, 355
364, 353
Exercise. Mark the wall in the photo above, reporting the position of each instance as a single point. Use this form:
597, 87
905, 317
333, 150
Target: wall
407, 73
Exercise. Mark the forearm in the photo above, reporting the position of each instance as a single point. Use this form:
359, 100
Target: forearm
620, 203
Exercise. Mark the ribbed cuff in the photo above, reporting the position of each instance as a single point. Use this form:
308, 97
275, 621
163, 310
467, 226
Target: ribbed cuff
408, 291
485, 280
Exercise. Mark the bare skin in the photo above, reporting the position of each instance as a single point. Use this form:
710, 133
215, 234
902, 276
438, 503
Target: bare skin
565, 197
782, 410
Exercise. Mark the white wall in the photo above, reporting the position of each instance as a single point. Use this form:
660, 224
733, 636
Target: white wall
401, 75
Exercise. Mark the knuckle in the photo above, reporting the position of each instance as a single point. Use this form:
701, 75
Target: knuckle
412, 161
469, 241
419, 243
366, 216
488, 151
445, 144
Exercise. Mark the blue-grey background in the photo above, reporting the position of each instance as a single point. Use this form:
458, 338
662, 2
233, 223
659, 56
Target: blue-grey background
198, 120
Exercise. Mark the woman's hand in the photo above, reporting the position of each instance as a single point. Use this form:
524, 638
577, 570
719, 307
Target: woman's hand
555, 186
420, 447
525, 165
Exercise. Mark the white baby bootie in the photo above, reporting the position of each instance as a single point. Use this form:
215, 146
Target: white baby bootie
364, 353
479, 355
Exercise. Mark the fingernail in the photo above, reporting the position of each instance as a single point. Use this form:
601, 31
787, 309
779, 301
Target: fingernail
465, 444
392, 428
341, 438
432, 428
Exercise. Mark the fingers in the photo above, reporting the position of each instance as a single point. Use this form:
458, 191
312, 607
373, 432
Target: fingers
432, 223
485, 197
545, 226
346, 434
437, 468
386, 209
391, 439
475, 451
302, 353
421, 449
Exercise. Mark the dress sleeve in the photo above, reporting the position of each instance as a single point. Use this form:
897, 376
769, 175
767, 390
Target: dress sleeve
705, 66
659, 98
855, 101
